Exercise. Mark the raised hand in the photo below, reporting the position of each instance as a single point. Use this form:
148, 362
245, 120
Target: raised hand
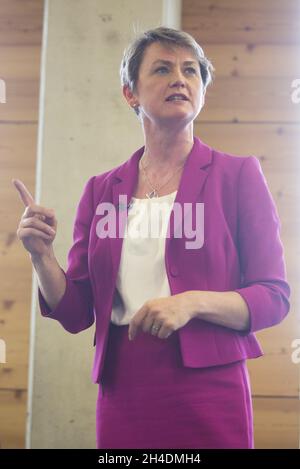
37, 227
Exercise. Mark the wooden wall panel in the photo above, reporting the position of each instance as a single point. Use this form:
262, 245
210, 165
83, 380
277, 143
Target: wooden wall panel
19, 96
255, 60
254, 47
20, 47
233, 22
252, 83
13, 417
253, 99
276, 423
21, 22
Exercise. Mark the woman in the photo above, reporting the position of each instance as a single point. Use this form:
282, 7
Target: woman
175, 313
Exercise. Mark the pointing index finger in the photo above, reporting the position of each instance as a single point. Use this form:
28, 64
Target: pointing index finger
24, 193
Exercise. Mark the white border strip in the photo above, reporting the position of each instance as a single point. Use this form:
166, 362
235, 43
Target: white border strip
171, 15
37, 198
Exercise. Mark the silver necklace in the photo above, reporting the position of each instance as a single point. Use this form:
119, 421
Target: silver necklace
154, 190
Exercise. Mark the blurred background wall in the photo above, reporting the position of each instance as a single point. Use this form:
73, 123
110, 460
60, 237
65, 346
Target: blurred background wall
21, 24
85, 128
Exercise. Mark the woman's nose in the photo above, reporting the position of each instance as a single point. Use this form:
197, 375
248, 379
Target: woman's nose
177, 77
177, 82
177, 85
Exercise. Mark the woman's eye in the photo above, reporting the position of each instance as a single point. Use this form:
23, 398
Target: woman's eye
161, 68
191, 68
165, 68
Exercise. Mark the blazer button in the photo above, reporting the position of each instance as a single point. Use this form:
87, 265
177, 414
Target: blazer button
174, 271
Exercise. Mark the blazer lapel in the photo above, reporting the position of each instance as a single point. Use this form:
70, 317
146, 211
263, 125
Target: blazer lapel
122, 191
191, 183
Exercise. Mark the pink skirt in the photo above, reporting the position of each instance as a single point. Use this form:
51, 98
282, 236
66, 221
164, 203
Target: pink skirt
148, 399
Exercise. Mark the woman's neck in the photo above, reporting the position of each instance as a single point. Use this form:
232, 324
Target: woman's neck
167, 150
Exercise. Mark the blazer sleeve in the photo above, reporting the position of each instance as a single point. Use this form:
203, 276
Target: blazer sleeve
75, 310
264, 284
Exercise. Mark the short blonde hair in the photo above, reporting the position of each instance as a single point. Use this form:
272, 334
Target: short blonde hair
134, 53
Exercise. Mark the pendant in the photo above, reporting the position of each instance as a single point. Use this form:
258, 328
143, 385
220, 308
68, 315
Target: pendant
152, 194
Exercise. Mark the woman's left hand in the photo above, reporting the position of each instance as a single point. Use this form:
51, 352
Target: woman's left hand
166, 315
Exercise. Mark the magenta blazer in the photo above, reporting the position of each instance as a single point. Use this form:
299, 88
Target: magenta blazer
242, 252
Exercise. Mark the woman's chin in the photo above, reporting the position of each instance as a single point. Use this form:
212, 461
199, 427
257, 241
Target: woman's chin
175, 118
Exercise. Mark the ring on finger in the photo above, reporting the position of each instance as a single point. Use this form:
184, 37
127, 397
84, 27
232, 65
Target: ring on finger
155, 328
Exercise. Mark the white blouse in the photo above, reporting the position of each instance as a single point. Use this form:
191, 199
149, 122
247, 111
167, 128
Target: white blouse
142, 273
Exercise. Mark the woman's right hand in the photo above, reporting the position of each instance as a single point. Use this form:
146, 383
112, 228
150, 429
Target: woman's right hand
37, 227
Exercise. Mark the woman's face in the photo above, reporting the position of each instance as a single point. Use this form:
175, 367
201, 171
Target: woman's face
164, 72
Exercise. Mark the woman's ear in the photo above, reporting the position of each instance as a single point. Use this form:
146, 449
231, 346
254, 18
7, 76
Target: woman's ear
129, 96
